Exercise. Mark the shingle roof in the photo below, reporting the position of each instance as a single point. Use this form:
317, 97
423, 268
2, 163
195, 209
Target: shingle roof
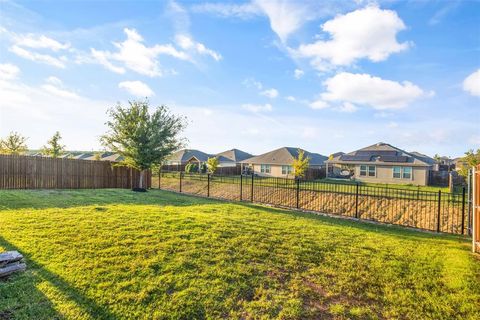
383, 153
285, 156
233, 155
186, 154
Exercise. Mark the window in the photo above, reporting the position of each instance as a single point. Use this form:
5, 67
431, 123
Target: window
367, 171
407, 173
265, 168
402, 172
287, 170
397, 172
371, 171
363, 170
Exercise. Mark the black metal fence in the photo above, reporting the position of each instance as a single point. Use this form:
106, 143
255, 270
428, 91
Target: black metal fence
434, 211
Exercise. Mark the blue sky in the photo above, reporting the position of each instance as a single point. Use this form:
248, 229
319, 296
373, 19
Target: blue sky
327, 77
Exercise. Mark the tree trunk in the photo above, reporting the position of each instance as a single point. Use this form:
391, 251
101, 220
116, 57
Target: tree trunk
140, 185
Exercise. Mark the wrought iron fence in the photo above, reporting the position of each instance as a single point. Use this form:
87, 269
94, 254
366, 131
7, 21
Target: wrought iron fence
434, 211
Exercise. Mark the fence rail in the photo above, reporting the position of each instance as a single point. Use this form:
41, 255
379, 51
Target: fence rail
29, 172
434, 211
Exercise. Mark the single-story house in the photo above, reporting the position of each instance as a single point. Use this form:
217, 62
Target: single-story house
382, 163
232, 158
278, 163
186, 156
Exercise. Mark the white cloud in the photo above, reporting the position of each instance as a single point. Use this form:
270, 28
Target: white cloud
368, 33
39, 42
55, 86
8, 71
298, 73
347, 107
471, 84
39, 57
270, 93
102, 57
373, 91
136, 88
392, 125
133, 54
250, 82
257, 108
243, 11
285, 16
187, 43
291, 98
319, 104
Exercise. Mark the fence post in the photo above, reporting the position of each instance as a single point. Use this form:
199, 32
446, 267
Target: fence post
159, 177
439, 209
463, 210
208, 185
251, 191
298, 193
181, 174
241, 186
356, 201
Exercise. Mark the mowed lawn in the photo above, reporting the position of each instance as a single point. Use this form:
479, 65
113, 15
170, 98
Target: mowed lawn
107, 254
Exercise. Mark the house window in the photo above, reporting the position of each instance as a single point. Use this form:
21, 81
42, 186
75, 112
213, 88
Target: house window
363, 170
265, 168
397, 172
287, 170
407, 173
402, 172
367, 171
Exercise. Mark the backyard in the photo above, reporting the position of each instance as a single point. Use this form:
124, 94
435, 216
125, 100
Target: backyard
113, 253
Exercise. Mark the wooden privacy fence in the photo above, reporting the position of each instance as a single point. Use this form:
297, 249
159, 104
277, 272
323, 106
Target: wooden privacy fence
28, 172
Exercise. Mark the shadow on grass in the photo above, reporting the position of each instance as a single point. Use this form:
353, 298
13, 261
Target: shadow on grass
26, 284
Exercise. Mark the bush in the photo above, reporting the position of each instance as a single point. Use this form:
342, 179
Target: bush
191, 168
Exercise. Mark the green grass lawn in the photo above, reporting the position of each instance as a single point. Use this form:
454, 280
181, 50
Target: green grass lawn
107, 254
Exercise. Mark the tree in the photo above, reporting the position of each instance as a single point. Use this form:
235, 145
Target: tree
54, 148
437, 158
212, 164
14, 143
143, 139
300, 164
470, 159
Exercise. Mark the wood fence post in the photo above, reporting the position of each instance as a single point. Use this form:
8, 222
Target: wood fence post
208, 184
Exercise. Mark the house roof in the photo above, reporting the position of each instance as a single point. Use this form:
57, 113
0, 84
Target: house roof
383, 153
233, 155
285, 156
186, 154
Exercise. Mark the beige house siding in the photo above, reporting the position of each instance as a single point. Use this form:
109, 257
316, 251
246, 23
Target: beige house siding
275, 171
384, 174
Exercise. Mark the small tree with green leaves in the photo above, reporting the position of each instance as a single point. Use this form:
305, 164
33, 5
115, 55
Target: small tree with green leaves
54, 148
212, 164
144, 139
471, 159
14, 143
300, 164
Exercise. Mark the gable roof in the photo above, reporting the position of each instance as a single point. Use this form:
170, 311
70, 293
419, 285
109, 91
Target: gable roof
383, 153
186, 154
233, 155
285, 156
